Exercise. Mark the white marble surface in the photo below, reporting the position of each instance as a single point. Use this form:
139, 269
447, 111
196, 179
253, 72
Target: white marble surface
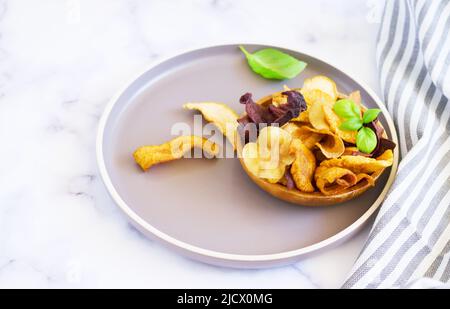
60, 62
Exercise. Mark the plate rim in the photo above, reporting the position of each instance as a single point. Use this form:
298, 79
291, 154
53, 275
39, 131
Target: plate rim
230, 257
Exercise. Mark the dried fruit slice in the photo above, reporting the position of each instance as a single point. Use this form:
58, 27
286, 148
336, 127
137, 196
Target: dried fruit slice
147, 156
363, 176
221, 115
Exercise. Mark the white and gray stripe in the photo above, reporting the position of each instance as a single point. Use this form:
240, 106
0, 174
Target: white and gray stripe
411, 235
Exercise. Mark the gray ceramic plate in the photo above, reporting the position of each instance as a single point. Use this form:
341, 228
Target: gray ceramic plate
209, 209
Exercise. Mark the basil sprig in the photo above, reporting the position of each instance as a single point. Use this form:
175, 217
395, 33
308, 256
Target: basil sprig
273, 64
366, 139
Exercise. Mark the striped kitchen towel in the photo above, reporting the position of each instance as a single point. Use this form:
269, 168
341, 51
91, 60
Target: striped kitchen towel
409, 244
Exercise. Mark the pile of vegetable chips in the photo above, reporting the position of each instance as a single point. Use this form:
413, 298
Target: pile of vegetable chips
312, 139
327, 152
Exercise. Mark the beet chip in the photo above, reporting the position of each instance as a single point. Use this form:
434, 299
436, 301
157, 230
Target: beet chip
279, 115
383, 144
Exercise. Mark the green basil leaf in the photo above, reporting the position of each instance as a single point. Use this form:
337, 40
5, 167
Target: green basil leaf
370, 115
347, 109
274, 64
366, 140
352, 124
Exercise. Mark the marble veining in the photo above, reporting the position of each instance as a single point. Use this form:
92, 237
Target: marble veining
60, 63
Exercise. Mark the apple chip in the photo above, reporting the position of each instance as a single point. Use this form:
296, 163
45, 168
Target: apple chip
219, 114
147, 156
361, 164
323, 84
269, 156
303, 167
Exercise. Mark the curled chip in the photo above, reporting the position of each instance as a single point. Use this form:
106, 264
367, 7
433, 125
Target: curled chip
318, 100
362, 176
269, 156
303, 167
361, 164
323, 84
334, 180
309, 136
330, 144
147, 156
223, 117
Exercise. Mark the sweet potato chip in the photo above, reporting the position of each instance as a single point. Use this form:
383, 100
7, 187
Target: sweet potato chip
331, 146
323, 84
363, 176
269, 156
333, 180
361, 164
303, 167
220, 115
147, 156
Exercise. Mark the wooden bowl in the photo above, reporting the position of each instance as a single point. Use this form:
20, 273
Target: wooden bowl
303, 198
